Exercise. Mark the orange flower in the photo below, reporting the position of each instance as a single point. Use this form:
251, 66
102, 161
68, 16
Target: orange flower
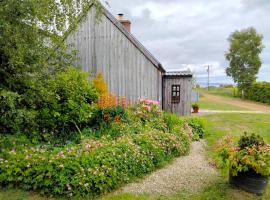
117, 119
106, 116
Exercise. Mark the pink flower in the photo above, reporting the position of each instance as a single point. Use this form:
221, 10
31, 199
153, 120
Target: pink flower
61, 154
147, 102
13, 151
156, 103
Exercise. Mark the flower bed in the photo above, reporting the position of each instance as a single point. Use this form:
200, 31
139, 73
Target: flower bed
92, 167
123, 144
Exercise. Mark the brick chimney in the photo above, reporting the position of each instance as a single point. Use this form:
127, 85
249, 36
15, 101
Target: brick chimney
124, 22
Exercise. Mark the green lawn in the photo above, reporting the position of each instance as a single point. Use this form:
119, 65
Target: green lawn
219, 91
12, 194
235, 124
218, 126
206, 104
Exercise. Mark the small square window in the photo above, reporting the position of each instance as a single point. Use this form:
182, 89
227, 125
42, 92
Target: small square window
175, 93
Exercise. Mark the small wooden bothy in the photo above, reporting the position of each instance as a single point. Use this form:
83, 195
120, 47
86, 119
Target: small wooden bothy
176, 95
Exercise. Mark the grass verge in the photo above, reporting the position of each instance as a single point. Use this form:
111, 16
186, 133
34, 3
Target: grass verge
212, 105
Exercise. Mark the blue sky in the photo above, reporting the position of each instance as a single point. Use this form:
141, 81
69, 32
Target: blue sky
192, 34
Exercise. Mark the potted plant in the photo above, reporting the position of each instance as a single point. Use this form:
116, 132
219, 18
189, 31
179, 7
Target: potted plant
248, 162
195, 107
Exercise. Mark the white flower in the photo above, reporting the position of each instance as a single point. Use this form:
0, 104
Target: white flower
86, 185
61, 166
68, 186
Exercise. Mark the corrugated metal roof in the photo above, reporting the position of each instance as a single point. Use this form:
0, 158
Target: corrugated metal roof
179, 73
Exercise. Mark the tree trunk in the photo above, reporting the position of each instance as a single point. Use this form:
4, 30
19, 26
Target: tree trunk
242, 94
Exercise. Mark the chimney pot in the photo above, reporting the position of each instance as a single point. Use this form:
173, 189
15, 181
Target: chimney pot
120, 16
125, 23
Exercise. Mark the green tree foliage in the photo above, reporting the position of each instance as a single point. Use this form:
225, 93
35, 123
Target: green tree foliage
33, 58
31, 32
243, 56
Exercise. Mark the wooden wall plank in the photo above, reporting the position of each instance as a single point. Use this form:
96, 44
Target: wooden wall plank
184, 107
127, 71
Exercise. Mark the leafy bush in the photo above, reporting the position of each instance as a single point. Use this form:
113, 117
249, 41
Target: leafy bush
172, 121
250, 153
91, 167
247, 141
51, 108
65, 103
149, 112
14, 142
176, 123
198, 126
105, 116
259, 91
13, 117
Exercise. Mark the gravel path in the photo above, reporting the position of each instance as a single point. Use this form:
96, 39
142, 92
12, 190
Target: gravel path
189, 173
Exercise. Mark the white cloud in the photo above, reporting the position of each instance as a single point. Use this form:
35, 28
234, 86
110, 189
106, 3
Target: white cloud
193, 33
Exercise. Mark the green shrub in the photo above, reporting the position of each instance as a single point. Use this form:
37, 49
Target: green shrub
14, 118
250, 154
105, 116
65, 104
172, 121
91, 167
51, 109
259, 91
250, 140
198, 126
175, 123
14, 142
149, 113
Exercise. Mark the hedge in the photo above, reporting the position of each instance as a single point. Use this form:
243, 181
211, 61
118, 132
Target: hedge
260, 91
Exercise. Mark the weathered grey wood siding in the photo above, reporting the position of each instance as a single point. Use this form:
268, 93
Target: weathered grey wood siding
102, 47
184, 106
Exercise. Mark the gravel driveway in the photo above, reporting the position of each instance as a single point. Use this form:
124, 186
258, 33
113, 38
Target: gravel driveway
189, 173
